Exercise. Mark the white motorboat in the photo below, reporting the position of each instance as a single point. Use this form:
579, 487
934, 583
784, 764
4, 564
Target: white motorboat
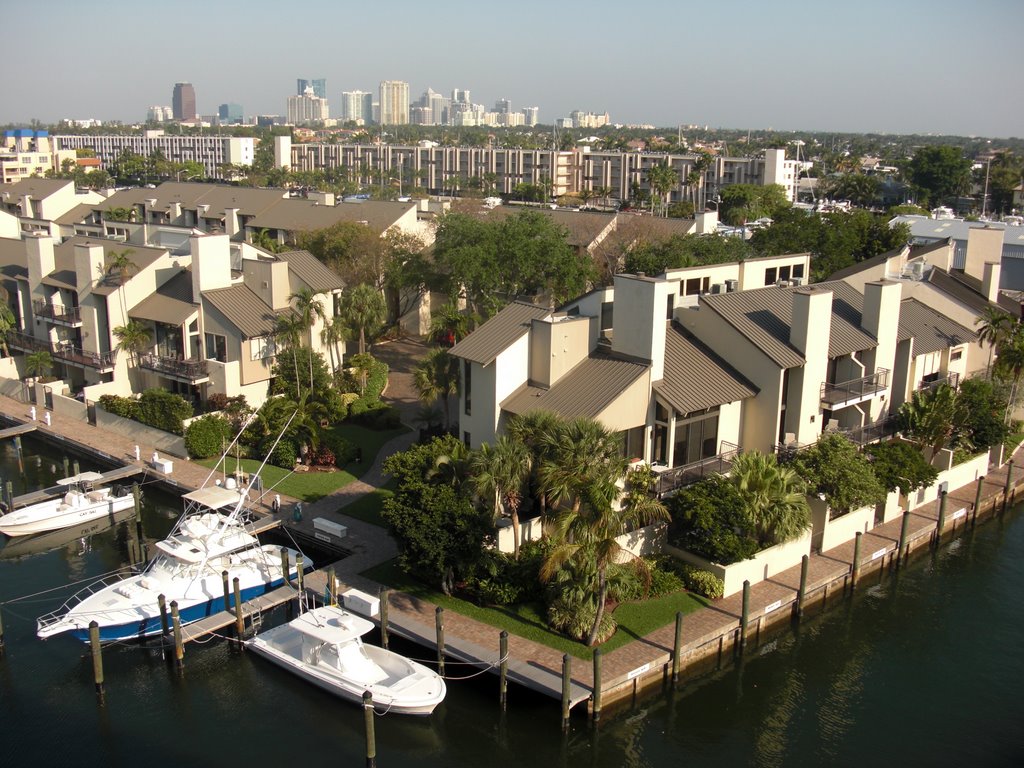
81, 503
188, 569
324, 647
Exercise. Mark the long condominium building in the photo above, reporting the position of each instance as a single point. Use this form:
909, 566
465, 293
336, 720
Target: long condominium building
211, 151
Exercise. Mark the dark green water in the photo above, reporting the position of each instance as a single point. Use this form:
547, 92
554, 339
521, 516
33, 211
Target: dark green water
923, 669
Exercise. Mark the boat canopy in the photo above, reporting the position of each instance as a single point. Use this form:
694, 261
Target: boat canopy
81, 477
331, 624
213, 497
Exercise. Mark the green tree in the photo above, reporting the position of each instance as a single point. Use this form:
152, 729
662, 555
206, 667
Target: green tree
308, 309
134, 337
931, 417
500, 472
8, 323
120, 266
834, 467
581, 457
901, 466
287, 337
663, 178
1004, 176
38, 364
262, 238
746, 202
436, 377
535, 430
709, 518
1010, 362
995, 326
938, 172
364, 311
774, 497
334, 332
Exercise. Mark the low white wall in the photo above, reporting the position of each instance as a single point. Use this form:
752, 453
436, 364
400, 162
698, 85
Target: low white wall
9, 368
529, 530
761, 566
649, 540
12, 387
892, 507
842, 529
93, 392
69, 409
146, 436
957, 477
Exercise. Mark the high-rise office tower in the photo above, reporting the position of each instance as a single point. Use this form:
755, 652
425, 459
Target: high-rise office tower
229, 113
460, 96
307, 108
531, 115
184, 101
318, 85
394, 102
357, 106
503, 106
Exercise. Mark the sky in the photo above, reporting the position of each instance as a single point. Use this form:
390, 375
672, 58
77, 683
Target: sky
898, 66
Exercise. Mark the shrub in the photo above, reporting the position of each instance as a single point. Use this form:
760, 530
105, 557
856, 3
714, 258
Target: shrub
377, 416
901, 465
125, 407
702, 582
322, 457
164, 410
342, 449
833, 466
576, 619
633, 581
207, 436
285, 455
218, 401
709, 519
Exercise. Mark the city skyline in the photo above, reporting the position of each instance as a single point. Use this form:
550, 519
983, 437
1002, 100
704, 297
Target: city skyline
915, 67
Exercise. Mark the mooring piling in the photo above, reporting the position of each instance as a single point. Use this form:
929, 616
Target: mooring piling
805, 563
224, 576
744, 618
165, 629
439, 628
977, 500
597, 685
566, 684
503, 668
677, 645
384, 593
97, 657
371, 740
239, 615
179, 646
855, 566
904, 532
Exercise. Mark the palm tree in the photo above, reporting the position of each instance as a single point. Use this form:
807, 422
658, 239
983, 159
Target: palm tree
1010, 359
287, 333
775, 497
436, 377
995, 327
586, 537
449, 319
38, 364
7, 324
262, 239
363, 309
531, 430
582, 457
663, 178
334, 333
308, 310
931, 416
134, 338
500, 472
120, 265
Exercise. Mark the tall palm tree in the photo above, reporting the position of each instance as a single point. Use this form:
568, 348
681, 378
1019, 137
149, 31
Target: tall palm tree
531, 430
436, 377
287, 333
120, 266
1010, 359
500, 472
134, 337
775, 497
363, 309
582, 458
38, 364
663, 178
995, 327
334, 333
308, 310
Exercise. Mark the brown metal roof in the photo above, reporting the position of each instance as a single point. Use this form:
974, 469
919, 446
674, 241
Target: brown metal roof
695, 378
584, 228
296, 215
931, 331
493, 337
969, 291
36, 188
170, 304
64, 260
764, 316
76, 215
313, 272
586, 390
243, 309
13, 259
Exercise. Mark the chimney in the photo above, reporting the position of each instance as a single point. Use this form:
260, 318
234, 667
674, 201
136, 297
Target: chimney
984, 244
812, 321
990, 280
211, 263
89, 264
881, 318
39, 248
174, 210
231, 221
809, 332
640, 318
26, 206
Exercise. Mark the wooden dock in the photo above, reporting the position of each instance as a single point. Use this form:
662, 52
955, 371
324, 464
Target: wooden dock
17, 429
200, 629
59, 490
263, 524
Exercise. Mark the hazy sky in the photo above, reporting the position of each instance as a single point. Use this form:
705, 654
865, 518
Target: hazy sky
899, 66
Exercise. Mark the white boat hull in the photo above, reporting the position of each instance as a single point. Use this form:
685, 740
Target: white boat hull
398, 685
55, 514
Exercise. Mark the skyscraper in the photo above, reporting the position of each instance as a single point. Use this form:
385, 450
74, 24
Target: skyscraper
357, 106
307, 108
319, 87
394, 102
184, 101
230, 113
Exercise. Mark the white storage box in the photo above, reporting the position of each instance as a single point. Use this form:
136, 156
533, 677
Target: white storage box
360, 602
163, 465
331, 528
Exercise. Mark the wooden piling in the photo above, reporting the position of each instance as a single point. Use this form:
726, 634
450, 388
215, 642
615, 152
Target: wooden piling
21, 457
566, 684
503, 668
596, 691
299, 567
285, 570
855, 567
384, 593
227, 590
1006, 488
67, 464
1, 633
371, 740
940, 523
677, 646
179, 646
904, 532
330, 598
744, 618
439, 627
74, 464
165, 629
97, 657
239, 616
10, 494
801, 596
977, 501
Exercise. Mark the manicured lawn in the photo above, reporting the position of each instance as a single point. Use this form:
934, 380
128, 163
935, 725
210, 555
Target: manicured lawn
367, 508
634, 619
312, 486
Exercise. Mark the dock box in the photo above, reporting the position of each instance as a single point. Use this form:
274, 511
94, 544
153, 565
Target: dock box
163, 465
322, 525
360, 602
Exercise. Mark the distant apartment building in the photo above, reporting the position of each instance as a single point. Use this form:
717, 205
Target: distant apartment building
357, 106
184, 101
158, 114
319, 87
394, 102
211, 151
531, 116
307, 108
26, 152
588, 119
229, 113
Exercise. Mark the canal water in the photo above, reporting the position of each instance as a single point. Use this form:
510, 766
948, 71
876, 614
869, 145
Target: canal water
921, 669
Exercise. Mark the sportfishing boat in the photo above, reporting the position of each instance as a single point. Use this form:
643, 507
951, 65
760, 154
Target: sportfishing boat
323, 646
81, 503
209, 539
26, 546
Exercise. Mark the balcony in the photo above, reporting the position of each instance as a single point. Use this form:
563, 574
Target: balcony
64, 351
671, 479
952, 380
190, 371
55, 313
844, 393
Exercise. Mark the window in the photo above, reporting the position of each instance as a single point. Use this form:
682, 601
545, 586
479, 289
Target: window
955, 355
798, 270
262, 348
467, 386
669, 306
607, 315
216, 348
770, 276
784, 273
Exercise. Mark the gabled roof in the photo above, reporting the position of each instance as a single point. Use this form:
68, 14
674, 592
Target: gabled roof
171, 303
590, 387
584, 227
13, 259
190, 195
764, 317
37, 189
931, 331
489, 340
313, 272
695, 378
969, 291
860, 266
76, 215
298, 215
243, 309
64, 260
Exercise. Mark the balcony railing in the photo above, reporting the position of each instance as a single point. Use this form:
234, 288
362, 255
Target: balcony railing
190, 370
863, 435
668, 480
855, 390
57, 313
66, 351
952, 379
